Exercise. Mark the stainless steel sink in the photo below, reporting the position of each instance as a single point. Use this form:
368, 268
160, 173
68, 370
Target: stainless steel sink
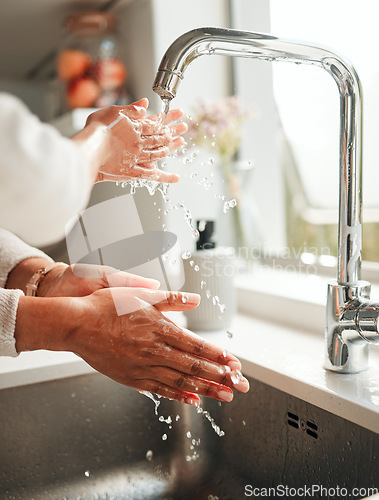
88, 437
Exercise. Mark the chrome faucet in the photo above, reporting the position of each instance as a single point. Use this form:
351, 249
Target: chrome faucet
351, 319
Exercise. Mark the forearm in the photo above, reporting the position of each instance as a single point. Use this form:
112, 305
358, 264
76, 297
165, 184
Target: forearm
45, 323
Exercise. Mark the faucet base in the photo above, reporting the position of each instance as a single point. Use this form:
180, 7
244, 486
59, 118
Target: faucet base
347, 347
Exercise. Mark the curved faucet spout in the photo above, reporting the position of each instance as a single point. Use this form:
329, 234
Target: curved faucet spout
219, 41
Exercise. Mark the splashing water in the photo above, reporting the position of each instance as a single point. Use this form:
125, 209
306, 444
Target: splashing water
153, 397
168, 421
229, 204
215, 427
194, 443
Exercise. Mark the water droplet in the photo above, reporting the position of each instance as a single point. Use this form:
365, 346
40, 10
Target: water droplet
149, 455
86, 473
215, 300
186, 255
229, 204
164, 437
229, 334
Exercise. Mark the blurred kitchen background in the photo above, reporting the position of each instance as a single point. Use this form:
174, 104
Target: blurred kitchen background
289, 140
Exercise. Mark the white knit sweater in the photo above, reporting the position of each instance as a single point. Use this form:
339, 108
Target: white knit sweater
44, 178
12, 252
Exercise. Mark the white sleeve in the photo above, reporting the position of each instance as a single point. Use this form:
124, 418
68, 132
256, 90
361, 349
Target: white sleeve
12, 252
44, 178
8, 310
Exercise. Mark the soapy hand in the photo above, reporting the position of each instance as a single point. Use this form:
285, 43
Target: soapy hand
145, 350
136, 142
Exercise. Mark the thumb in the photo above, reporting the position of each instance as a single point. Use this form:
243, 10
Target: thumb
137, 110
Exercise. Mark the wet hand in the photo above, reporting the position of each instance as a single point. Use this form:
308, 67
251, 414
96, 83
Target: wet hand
137, 142
124, 335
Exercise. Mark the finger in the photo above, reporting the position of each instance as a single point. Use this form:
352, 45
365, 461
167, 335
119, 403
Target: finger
152, 127
150, 173
168, 301
172, 115
136, 110
204, 369
191, 343
124, 279
154, 154
178, 129
167, 392
175, 301
153, 175
147, 165
177, 143
179, 381
152, 142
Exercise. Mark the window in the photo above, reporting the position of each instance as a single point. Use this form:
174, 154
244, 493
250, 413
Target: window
308, 107
301, 106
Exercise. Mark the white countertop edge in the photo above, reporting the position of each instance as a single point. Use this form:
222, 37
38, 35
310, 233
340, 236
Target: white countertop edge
40, 366
329, 401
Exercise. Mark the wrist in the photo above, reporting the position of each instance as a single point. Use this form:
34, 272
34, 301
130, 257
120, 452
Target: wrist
23, 271
46, 323
48, 276
93, 141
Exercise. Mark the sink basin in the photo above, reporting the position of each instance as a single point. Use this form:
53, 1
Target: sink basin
87, 437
